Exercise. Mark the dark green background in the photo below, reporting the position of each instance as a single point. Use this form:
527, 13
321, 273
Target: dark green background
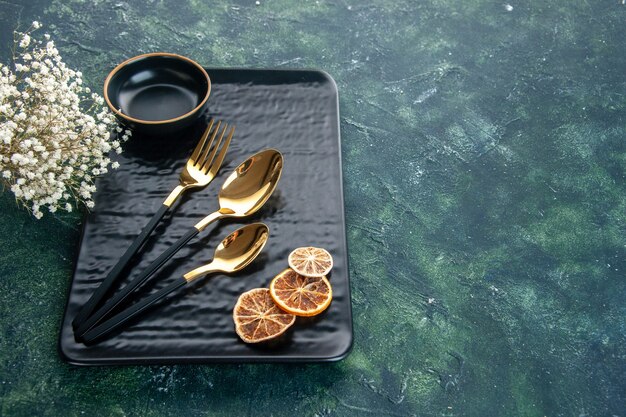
484, 156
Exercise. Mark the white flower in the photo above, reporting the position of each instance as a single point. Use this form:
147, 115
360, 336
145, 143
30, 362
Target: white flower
17, 190
62, 146
115, 165
25, 41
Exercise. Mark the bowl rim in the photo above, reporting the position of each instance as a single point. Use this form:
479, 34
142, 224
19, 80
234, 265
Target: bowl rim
115, 70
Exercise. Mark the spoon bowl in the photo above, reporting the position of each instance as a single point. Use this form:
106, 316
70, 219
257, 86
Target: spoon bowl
235, 252
249, 186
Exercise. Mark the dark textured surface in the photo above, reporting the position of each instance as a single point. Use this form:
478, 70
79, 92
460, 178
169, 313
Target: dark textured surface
292, 111
484, 160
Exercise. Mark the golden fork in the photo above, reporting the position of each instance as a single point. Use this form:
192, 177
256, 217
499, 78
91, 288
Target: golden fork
199, 171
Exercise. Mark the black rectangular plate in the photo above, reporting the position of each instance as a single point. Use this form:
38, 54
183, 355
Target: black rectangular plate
294, 111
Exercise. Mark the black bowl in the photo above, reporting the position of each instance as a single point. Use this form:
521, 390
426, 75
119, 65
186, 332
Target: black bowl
157, 93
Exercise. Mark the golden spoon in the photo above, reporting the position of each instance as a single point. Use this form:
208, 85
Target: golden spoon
235, 252
242, 194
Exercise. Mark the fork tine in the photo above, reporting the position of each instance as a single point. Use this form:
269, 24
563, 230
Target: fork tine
215, 166
200, 161
206, 164
201, 143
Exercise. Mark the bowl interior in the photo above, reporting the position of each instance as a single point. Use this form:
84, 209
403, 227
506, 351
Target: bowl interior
157, 88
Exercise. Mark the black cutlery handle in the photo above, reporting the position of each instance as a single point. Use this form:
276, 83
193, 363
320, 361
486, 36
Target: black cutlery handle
121, 295
118, 320
91, 304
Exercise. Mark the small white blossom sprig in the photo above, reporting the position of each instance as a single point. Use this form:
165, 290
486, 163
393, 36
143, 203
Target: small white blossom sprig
55, 134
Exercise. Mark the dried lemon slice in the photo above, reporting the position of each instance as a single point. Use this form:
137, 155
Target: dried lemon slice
300, 295
310, 261
257, 318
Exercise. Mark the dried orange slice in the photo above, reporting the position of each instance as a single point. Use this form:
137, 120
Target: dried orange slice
310, 261
257, 318
300, 295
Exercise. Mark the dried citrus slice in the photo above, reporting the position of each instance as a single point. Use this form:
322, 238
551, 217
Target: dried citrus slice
300, 295
310, 261
257, 318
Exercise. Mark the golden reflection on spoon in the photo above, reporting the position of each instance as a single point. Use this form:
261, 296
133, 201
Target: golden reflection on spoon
248, 187
235, 252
